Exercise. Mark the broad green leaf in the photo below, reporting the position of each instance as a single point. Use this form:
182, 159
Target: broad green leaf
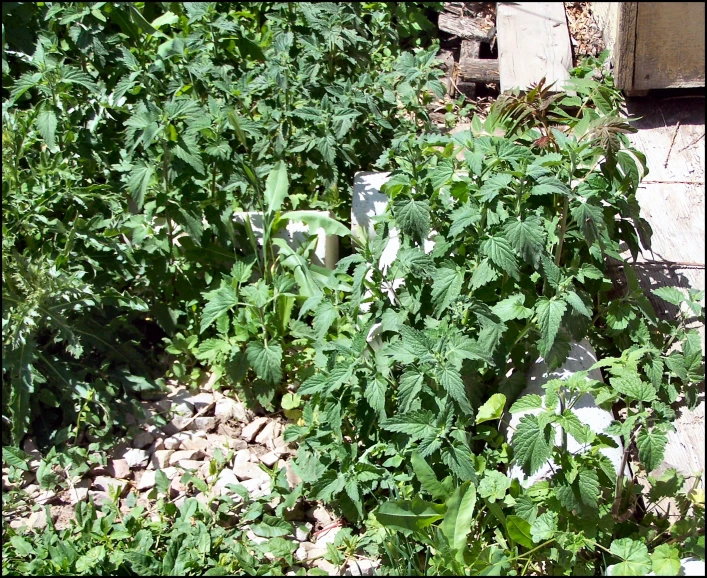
375, 394
672, 295
589, 487
501, 254
633, 555
266, 360
544, 527
577, 304
530, 401
483, 273
272, 526
494, 485
450, 379
550, 186
651, 448
532, 444
316, 220
413, 217
410, 384
493, 186
549, 313
512, 308
665, 560
416, 424
427, 478
276, 187
456, 524
463, 218
459, 459
519, 530
409, 516
46, 125
631, 385
446, 285
492, 409
139, 179
218, 303
15, 457
590, 220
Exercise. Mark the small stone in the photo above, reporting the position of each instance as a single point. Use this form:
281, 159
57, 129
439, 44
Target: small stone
160, 459
159, 444
292, 478
248, 471
147, 480
253, 429
363, 567
180, 455
191, 465
225, 478
197, 443
269, 459
79, 491
169, 471
328, 536
176, 487
203, 424
267, 436
45, 497
253, 538
179, 502
119, 468
327, 566
99, 498
176, 425
173, 443
309, 551
110, 485
32, 490
182, 409
320, 515
20, 524
302, 531
237, 444
200, 400
136, 458
253, 485
29, 447
227, 408
143, 439
295, 570
241, 457
38, 520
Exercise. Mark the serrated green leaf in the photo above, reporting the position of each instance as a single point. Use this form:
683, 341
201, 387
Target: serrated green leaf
15, 457
631, 385
651, 448
665, 560
577, 304
512, 308
532, 444
672, 295
544, 527
527, 237
494, 485
527, 402
410, 384
446, 285
463, 218
266, 360
138, 180
413, 217
450, 379
549, 313
218, 303
590, 220
46, 125
483, 273
416, 424
498, 250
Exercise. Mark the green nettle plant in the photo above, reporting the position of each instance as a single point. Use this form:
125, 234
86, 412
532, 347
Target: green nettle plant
132, 133
399, 422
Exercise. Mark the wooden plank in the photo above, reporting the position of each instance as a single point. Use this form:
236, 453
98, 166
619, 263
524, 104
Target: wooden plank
625, 46
480, 70
468, 52
533, 42
466, 28
670, 45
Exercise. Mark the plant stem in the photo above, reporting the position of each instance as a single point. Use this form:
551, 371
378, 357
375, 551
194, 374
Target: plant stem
563, 229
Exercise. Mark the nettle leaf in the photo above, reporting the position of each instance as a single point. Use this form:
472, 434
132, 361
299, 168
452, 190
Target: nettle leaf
441, 174
501, 254
512, 308
416, 424
446, 285
651, 448
46, 125
457, 521
450, 379
139, 179
483, 273
577, 304
491, 187
266, 360
463, 219
590, 220
458, 459
633, 555
549, 313
550, 186
413, 217
187, 150
672, 295
527, 402
410, 384
375, 395
630, 384
532, 444
218, 302
527, 237
544, 527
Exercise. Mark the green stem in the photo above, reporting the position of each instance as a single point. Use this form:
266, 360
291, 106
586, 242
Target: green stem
563, 229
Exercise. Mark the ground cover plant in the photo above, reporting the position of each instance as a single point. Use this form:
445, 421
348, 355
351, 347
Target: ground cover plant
399, 393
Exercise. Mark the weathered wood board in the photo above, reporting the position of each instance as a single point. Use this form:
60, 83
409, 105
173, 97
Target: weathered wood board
672, 199
533, 42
